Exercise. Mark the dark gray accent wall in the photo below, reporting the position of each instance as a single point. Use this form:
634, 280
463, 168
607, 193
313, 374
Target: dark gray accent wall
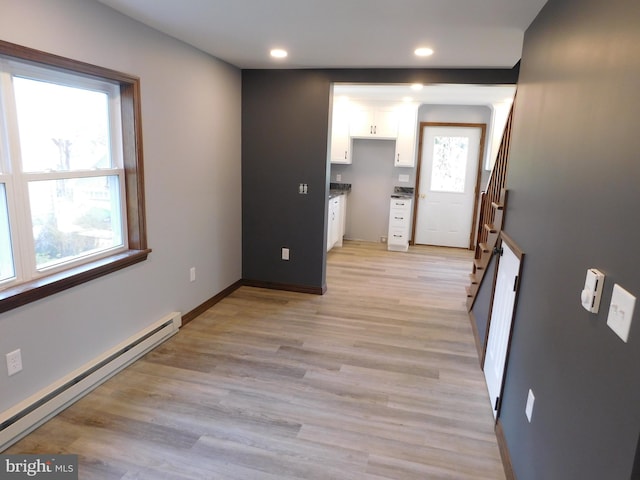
285, 119
574, 198
635, 475
482, 303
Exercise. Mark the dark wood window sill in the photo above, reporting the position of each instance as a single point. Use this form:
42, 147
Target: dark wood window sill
43, 287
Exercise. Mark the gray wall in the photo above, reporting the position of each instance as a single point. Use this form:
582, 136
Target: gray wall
284, 126
372, 176
191, 135
482, 303
573, 204
284, 143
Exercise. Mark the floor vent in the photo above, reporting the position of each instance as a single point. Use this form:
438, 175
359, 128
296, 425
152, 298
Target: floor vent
25, 417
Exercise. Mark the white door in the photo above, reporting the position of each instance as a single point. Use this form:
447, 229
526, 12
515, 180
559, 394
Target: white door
500, 324
447, 186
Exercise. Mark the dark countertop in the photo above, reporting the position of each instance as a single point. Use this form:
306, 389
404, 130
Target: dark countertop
401, 195
402, 192
336, 189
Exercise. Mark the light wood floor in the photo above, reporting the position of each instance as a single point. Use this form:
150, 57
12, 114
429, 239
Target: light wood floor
376, 379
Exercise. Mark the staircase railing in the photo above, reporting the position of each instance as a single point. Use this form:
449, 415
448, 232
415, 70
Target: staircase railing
490, 218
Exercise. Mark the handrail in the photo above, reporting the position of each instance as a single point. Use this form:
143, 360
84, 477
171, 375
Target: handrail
490, 197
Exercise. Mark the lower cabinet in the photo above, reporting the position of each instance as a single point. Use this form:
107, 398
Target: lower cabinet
336, 215
399, 223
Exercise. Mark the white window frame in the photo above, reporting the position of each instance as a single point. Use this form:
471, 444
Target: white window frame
18, 195
123, 90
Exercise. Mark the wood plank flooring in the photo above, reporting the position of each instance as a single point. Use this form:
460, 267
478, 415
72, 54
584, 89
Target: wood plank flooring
377, 379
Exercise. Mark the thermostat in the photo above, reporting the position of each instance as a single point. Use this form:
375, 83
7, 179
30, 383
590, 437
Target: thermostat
592, 290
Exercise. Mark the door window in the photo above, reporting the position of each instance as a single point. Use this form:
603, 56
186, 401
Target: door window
449, 169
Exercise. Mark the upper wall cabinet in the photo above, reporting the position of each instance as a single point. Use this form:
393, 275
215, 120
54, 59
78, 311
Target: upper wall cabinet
406, 141
373, 121
340, 149
388, 121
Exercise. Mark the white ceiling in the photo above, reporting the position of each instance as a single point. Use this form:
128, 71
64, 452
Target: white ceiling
345, 33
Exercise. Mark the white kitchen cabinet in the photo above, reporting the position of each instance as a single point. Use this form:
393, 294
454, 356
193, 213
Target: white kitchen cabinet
340, 149
386, 121
331, 215
336, 214
373, 121
406, 142
399, 224
342, 222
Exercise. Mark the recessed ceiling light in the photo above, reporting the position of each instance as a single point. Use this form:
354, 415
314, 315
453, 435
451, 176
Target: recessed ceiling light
417, 87
278, 53
423, 52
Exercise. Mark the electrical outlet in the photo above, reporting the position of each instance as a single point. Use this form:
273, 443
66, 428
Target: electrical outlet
285, 253
192, 274
14, 362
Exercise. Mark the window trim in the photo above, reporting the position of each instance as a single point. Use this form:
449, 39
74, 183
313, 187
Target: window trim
131, 113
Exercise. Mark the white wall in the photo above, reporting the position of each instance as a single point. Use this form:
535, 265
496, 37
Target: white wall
191, 135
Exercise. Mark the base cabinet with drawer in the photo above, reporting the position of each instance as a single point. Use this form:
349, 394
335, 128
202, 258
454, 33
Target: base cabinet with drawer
399, 223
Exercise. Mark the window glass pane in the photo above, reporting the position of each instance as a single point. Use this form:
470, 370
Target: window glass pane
7, 269
449, 164
61, 128
75, 217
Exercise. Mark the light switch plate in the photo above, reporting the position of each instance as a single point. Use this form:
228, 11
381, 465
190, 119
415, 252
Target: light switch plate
528, 409
621, 312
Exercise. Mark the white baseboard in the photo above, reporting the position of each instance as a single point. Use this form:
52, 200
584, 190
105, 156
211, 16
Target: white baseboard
29, 414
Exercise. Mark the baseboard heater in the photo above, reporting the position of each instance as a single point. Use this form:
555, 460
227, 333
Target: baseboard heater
29, 414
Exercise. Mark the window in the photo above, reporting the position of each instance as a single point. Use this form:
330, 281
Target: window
449, 164
71, 185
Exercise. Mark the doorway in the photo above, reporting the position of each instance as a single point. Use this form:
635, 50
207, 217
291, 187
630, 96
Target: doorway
448, 176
